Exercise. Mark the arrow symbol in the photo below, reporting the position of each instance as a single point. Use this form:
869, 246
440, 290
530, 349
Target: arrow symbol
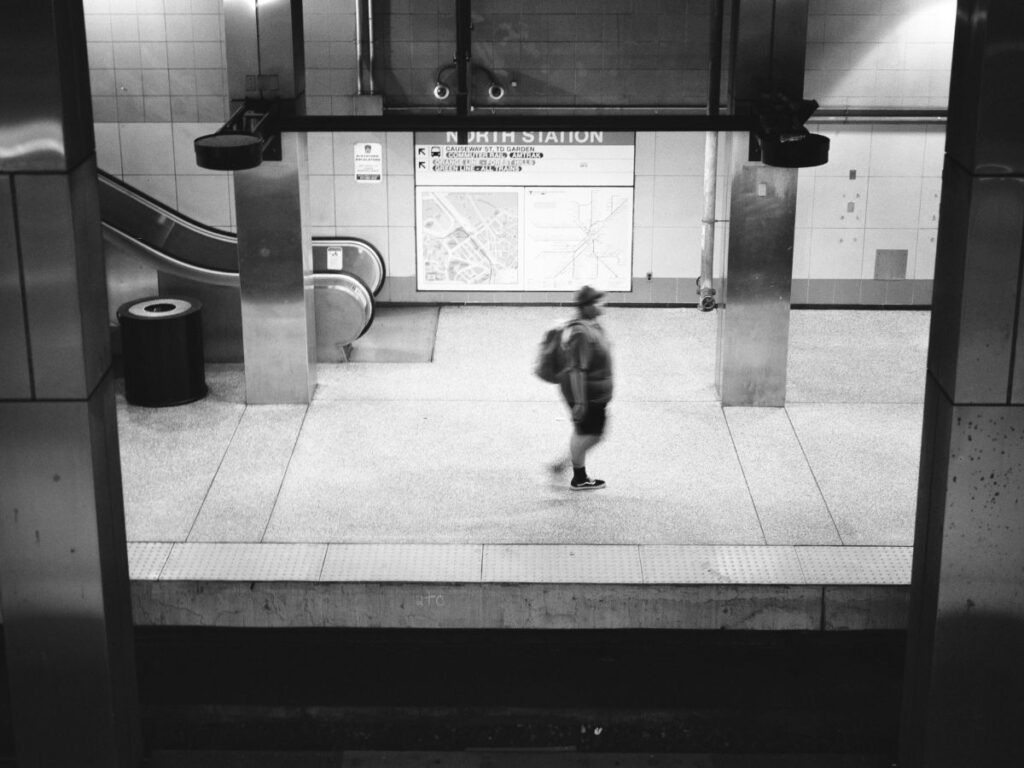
421, 150
423, 164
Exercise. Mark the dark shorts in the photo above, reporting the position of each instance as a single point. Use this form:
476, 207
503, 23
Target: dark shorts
593, 420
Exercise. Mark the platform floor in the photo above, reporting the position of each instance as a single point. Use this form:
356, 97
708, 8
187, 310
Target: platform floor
436, 468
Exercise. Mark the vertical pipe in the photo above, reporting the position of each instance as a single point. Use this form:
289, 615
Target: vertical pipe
463, 20
707, 236
359, 47
369, 31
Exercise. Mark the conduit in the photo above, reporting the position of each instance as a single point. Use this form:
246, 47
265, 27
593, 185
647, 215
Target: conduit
705, 290
359, 47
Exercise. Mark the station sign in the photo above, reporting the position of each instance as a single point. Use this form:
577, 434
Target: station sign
526, 158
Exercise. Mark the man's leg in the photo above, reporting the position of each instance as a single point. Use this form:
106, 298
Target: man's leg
578, 447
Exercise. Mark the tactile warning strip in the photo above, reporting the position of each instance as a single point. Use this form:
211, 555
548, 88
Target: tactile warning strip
245, 562
403, 562
146, 559
720, 565
856, 565
521, 563
562, 564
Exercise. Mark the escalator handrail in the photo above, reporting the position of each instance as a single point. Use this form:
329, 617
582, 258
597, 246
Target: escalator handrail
167, 263
218, 234
164, 210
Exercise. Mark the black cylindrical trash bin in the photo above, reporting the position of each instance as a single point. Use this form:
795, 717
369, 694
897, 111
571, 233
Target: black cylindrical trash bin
162, 349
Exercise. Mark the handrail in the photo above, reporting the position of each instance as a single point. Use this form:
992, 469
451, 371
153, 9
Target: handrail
157, 258
183, 269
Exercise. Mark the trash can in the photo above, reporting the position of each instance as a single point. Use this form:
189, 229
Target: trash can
162, 350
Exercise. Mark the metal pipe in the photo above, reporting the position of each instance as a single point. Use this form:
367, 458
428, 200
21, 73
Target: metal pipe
359, 47
463, 21
369, 33
705, 289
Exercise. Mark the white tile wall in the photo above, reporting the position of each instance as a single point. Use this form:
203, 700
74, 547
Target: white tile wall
321, 201
320, 154
931, 197
801, 253
836, 253
893, 202
643, 245
834, 197
108, 147
888, 239
897, 151
679, 154
400, 251
205, 198
146, 148
162, 188
924, 269
864, 53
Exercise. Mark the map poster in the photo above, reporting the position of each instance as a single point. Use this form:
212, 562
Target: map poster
578, 235
469, 239
524, 210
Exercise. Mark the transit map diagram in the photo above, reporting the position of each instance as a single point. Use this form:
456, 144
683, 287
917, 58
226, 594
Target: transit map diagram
524, 238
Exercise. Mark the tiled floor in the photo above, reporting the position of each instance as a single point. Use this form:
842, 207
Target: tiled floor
454, 451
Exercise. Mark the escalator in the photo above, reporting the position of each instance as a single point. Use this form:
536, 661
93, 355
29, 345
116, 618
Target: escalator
152, 249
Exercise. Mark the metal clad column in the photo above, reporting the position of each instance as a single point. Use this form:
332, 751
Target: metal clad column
965, 670
275, 256
753, 324
275, 265
63, 556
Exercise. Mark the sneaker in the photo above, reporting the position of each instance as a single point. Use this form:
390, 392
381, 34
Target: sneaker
590, 484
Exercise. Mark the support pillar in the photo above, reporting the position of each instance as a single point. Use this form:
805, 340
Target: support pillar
64, 584
769, 42
963, 702
264, 44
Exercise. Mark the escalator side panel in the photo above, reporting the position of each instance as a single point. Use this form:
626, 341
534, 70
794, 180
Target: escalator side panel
222, 316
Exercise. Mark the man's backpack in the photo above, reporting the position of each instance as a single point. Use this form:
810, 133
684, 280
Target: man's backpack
551, 361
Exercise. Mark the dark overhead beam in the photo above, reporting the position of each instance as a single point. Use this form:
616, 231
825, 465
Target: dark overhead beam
397, 123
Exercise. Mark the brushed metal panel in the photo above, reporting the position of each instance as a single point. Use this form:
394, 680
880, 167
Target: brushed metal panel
241, 45
44, 87
983, 132
754, 324
275, 261
64, 579
15, 373
65, 281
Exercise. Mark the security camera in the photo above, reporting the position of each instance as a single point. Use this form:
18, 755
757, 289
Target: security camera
495, 92
441, 91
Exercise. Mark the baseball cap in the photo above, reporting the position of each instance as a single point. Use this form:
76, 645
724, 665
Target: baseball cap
588, 295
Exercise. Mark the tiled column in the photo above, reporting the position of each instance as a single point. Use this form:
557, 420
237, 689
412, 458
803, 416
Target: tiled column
964, 693
63, 558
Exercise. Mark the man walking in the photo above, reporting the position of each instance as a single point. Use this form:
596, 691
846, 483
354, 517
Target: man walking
587, 384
